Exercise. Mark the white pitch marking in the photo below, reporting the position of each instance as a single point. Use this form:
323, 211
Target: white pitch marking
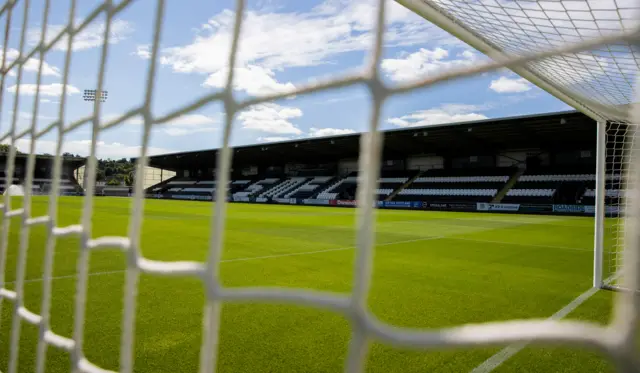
520, 244
508, 352
68, 276
247, 258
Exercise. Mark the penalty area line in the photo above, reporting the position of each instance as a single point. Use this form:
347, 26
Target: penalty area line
327, 250
102, 273
508, 352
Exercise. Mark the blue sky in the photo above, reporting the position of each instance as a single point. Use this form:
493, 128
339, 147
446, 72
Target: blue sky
285, 43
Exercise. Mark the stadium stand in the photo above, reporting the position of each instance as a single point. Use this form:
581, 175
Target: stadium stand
550, 185
283, 187
42, 178
613, 186
341, 188
188, 188
462, 185
391, 181
524, 163
309, 188
254, 189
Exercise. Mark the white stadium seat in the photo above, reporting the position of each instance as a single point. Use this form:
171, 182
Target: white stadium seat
397, 180
309, 186
449, 192
198, 189
283, 187
255, 188
383, 192
325, 195
531, 192
576, 177
612, 193
462, 179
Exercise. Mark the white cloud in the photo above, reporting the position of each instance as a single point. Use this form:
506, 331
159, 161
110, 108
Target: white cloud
254, 80
91, 37
23, 120
82, 147
190, 124
321, 132
273, 139
449, 113
31, 65
28, 116
53, 89
187, 124
143, 51
270, 118
274, 41
425, 62
509, 85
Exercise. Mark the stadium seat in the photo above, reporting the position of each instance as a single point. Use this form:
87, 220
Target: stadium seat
307, 189
468, 185
550, 185
286, 185
254, 189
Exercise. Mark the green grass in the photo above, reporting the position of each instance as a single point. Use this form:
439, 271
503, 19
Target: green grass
431, 269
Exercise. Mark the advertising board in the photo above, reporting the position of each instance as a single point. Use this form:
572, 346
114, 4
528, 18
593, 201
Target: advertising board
481, 206
345, 202
569, 209
191, 197
397, 204
289, 201
536, 208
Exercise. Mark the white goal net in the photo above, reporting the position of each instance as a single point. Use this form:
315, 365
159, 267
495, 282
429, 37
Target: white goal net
620, 138
583, 52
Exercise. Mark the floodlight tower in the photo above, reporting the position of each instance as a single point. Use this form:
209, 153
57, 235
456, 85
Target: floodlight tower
92, 95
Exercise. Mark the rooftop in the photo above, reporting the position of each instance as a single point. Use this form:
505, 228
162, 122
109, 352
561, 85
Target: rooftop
551, 131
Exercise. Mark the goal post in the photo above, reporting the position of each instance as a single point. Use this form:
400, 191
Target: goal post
598, 235
616, 178
597, 81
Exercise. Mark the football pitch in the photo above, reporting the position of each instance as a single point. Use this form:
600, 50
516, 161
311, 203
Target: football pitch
431, 269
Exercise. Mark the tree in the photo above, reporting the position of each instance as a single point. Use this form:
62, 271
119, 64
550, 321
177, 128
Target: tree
6, 148
116, 172
128, 179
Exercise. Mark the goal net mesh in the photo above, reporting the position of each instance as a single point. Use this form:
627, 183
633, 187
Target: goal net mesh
620, 137
582, 51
